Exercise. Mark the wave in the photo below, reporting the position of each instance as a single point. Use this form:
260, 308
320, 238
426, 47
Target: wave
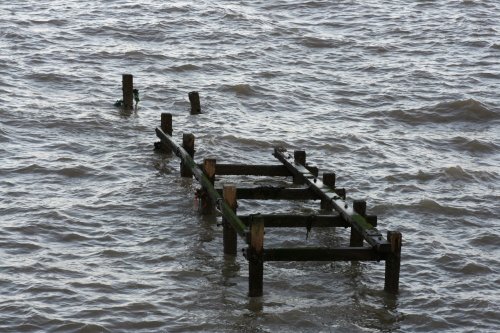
184, 68
239, 89
468, 110
445, 174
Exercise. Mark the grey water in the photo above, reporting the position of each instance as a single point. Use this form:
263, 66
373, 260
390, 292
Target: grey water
99, 233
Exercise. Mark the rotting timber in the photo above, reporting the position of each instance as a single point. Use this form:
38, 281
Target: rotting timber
251, 227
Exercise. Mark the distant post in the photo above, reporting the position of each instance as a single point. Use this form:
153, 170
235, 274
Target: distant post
128, 91
194, 99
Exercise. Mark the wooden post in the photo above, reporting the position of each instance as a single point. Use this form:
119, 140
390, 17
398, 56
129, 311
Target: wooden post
194, 99
128, 91
393, 262
255, 258
188, 145
166, 127
229, 235
359, 207
328, 180
299, 157
207, 204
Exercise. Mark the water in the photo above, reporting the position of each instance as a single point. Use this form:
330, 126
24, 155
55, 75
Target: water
100, 234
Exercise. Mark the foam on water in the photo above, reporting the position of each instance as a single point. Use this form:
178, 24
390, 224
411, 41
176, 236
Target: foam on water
100, 234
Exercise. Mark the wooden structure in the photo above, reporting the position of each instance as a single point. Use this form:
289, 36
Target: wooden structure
251, 228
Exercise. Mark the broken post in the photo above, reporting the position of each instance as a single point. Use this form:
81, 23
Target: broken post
393, 262
359, 206
207, 204
128, 91
194, 99
255, 257
188, 145
229, 235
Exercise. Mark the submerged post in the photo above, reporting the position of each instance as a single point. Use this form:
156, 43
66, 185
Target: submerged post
299, 156
359, 206
207, 204
393, 262
230, 238
166, 127
188, 145
255, 258
128, 91
194, 99
328, 180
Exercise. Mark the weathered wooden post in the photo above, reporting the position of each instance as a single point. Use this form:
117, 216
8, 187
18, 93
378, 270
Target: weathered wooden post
299, 157
229, 235
393, 262
128, 91
194, 99
207, 204
255, 257
188, 145
359, 206
166, 127
328, 180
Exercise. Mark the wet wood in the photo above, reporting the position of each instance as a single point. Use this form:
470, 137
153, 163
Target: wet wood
328, 180
128, 91
226, 211
251, 170
229, 236
206, 203
194, 99
166, 126
188, 145
298, 221
323, 254
393, 262
275, 193
358, 222
299, 157
254, 256
356, 239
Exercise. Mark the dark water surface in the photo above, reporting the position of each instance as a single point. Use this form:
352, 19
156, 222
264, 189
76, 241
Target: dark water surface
98, 233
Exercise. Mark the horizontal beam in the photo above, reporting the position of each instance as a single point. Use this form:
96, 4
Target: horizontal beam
274, 193
324, 254
298, 221
188, 161
327, 193
251, 170
302, 221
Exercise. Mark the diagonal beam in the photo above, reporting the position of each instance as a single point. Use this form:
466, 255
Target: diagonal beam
357, 222
204, 181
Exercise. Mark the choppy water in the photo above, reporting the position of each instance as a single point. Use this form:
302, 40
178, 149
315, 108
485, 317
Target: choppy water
98, 233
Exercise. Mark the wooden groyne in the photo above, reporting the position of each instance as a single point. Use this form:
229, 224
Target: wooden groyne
250, 228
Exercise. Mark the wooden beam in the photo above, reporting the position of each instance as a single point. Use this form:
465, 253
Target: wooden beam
226, 211
358, 222
275, 193
251, 170
323, 254
298, 221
